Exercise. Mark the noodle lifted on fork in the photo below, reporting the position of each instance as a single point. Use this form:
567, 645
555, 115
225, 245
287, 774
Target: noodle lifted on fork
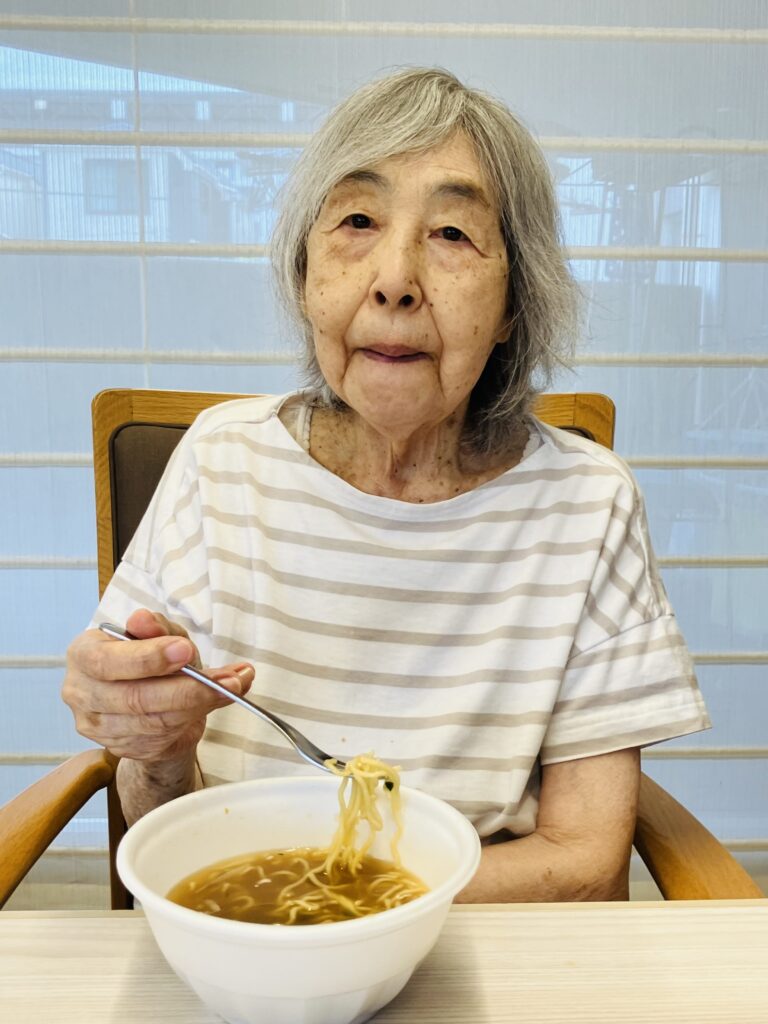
363, 774
346, 855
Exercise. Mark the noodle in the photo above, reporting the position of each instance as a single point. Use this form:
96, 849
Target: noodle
364, 772
323, 885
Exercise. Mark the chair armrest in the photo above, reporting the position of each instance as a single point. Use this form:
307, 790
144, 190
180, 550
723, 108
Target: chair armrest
686, 861
31, 821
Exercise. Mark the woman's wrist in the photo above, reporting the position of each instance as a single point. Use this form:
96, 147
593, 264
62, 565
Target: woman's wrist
144, 785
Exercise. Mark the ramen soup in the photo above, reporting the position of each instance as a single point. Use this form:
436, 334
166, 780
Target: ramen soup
295, 887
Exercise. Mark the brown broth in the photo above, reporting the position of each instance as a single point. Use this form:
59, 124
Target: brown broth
274, 887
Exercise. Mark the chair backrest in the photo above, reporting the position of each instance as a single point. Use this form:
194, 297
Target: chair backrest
135, 431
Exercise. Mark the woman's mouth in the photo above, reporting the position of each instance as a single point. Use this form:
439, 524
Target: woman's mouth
393, 354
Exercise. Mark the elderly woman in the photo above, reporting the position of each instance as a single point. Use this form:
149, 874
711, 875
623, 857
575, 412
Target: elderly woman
413, 564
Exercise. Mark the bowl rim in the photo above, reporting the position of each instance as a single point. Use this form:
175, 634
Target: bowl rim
334, 933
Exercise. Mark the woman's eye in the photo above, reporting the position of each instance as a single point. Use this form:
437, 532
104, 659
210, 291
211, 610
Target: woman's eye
358, 220
453, 235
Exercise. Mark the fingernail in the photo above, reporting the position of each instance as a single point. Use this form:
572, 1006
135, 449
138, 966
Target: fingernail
245, 673
177, 653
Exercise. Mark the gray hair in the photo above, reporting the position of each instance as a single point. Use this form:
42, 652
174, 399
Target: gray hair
411, 111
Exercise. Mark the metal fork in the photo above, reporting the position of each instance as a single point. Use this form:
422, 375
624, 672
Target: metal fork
306, 748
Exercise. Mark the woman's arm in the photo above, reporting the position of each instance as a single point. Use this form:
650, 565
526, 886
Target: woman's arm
582, 843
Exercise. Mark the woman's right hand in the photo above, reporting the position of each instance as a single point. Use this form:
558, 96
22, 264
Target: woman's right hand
131, 697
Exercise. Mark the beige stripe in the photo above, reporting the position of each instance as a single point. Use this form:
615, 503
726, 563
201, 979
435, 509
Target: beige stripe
707, 753
630, 593
307, 498
594, 656
365, 634
623, 696
268, 451
610, 557
437, 761
397, 594
560, 549
466, 719
409, 680
620, 741
642, 553
142, 598
444, 555
175, 554
601, 621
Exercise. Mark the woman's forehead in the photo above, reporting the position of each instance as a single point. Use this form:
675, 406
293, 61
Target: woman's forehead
450, 171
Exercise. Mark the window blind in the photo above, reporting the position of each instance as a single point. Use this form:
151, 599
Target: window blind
142, 146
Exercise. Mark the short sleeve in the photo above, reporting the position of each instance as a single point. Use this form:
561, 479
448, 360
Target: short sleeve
630, 680
169, 526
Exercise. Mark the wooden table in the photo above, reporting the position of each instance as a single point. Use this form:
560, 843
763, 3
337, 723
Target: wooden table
688, 963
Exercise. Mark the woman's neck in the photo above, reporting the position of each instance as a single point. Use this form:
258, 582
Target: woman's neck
428, 467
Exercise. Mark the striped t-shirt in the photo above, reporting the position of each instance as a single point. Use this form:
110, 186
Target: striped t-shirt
468, 641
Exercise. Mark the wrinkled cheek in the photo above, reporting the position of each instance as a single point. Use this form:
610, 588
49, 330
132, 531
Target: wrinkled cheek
330, 349
329, 328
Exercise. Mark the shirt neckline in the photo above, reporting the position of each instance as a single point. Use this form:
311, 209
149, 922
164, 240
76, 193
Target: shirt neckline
364, 501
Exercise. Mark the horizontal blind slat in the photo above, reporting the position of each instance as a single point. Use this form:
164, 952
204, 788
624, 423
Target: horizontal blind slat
46, 354
637, 253
14, 562
470, 30
696, 462
705, 753
136, 355
45, 460
297, 140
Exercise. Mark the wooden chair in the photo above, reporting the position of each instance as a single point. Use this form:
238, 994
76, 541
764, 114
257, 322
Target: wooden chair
134, 433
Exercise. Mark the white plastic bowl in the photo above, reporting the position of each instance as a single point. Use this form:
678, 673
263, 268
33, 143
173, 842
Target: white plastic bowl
338, 973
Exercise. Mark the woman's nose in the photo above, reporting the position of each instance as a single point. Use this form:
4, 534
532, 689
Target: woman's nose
396, 283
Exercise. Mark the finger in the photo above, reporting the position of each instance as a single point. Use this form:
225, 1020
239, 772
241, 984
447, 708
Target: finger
145, 625
97, 656
241, 672
158, 694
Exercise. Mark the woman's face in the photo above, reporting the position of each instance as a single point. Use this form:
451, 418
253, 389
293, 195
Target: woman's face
406, 287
